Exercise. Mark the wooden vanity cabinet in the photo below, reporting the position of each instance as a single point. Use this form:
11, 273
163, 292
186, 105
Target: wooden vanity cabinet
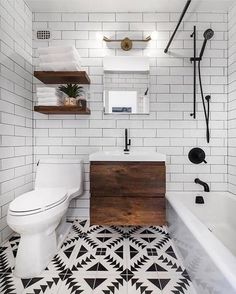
127, 193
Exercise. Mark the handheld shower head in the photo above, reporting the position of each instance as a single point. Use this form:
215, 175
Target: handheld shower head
208, 34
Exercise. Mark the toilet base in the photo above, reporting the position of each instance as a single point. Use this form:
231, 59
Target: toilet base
62, 232
35, 251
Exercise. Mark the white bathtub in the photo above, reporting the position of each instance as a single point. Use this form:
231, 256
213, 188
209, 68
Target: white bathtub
205, 236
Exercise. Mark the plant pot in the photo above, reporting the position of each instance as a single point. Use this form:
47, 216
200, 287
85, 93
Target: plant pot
70, 101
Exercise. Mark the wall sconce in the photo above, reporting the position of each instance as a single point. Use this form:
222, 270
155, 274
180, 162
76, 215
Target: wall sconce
126, 43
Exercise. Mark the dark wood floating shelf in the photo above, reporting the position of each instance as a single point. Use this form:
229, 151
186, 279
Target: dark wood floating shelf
62, 77
61, 110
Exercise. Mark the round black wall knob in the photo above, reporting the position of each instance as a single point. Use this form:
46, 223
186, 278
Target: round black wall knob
197, 155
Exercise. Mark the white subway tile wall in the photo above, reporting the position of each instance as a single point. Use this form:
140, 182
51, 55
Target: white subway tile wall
232, 102
169, 128
16, 120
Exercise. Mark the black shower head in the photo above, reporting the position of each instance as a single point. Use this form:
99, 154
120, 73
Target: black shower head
208, 34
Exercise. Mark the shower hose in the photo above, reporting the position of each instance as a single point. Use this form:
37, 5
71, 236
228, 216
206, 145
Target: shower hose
206, 112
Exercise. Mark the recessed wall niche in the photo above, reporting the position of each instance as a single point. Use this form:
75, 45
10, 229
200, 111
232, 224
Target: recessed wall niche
126, 85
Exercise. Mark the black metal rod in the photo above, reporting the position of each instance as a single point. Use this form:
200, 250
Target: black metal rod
206, 111
194, 72
176, 29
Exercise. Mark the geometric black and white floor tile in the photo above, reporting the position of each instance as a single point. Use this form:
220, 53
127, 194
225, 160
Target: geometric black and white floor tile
103, 260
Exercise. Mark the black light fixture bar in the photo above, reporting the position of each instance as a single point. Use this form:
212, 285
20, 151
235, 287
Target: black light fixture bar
133, 40
126, 43
176, 29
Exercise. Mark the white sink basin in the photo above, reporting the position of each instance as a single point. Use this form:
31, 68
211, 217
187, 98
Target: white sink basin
131, 156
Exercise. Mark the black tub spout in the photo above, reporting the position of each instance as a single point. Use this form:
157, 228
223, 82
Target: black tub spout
205, 185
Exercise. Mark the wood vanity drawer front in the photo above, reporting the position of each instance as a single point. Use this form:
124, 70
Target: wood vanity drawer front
127, 179
127, 211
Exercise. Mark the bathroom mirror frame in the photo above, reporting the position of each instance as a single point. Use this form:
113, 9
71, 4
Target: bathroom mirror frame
126, 85
126, 93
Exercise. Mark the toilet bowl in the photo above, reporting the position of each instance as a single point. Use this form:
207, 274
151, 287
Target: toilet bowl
39, 215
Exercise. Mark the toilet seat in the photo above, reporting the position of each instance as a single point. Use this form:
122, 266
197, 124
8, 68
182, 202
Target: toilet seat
37, 201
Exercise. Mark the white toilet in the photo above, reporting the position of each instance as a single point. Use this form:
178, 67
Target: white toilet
39, 216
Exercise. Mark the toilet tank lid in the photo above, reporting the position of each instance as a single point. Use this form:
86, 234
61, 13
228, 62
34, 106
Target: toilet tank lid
61, 161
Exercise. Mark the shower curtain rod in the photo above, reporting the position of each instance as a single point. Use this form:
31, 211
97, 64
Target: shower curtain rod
176, 29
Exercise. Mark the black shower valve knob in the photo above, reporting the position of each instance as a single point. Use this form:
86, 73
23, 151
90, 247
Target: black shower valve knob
197, 155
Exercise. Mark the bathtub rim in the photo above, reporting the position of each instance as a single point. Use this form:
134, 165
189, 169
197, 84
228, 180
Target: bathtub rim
225, 261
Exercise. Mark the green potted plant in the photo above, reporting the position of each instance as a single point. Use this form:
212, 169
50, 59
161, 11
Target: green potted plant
72, 92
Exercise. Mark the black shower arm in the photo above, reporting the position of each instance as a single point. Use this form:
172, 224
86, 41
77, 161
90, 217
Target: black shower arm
179, 22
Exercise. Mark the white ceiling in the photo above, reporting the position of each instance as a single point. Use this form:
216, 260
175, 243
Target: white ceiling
127, 5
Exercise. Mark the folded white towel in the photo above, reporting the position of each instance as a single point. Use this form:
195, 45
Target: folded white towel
46, 90
70, 56
46, 95
50, 99
56, 94
55, 49
50, 103
60, 66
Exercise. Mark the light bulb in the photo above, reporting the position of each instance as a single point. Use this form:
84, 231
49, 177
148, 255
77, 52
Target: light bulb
154, 35
99, 36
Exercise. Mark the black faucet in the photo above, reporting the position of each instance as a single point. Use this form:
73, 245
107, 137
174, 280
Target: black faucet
127, 142
205, 185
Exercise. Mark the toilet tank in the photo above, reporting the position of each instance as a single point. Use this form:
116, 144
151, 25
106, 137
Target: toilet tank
60, 173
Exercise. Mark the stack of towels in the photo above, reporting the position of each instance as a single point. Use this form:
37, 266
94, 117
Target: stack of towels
48, 96
59, 59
